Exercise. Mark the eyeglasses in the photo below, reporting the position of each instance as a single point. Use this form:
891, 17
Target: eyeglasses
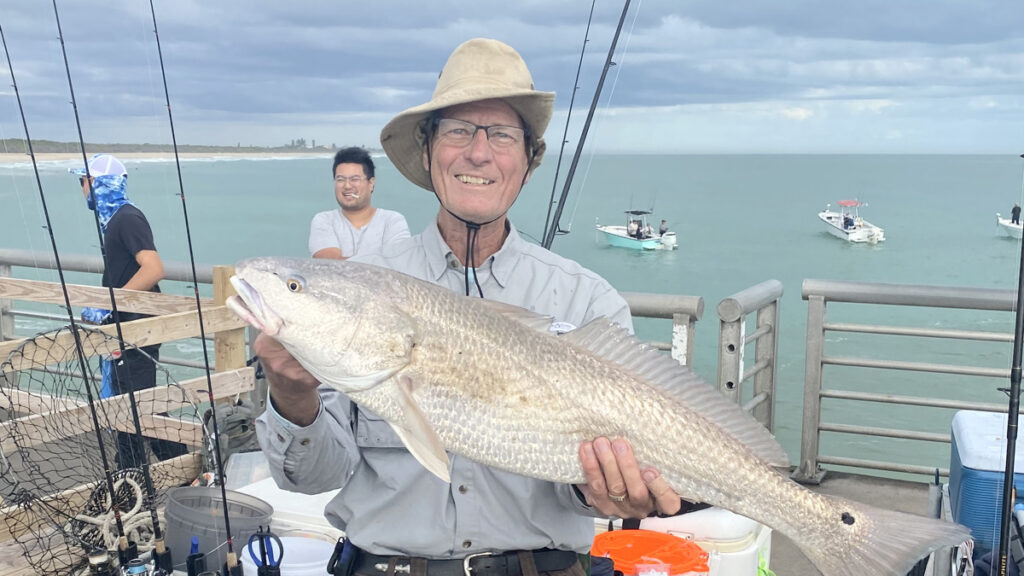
460, 133
353, 180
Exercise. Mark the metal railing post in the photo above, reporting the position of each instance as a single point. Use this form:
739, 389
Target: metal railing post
762, 299
730, 358
6, 319
683, 326
7, 327
767, 350
808, 471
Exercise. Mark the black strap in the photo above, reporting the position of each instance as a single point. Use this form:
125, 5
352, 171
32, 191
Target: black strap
545, 560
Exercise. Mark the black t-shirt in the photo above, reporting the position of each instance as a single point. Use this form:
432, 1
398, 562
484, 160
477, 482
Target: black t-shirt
127, 234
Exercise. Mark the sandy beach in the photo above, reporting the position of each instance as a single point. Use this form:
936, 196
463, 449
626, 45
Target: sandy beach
8, 158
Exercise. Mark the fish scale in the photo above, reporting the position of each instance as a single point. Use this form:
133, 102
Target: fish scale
489, 382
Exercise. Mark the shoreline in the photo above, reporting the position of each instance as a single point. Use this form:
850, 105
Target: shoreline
21, 158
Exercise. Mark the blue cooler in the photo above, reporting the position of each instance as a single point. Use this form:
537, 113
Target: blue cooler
977, 460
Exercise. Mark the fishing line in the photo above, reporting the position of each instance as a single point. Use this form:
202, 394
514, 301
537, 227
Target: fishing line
608, 103
232, 559
568, 117
83, 366
550, 237
1013, 407
160, 554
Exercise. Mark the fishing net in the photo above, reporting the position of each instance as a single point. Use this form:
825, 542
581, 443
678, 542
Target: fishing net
53, 483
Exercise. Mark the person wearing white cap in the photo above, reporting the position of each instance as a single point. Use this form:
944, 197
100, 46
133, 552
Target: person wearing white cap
131, 262
474, 145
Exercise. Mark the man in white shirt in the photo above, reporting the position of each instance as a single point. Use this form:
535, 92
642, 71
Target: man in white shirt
357, 227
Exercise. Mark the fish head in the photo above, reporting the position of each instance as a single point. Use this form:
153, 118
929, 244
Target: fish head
328, 315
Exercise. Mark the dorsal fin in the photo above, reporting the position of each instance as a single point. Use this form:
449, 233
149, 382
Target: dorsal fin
615, 344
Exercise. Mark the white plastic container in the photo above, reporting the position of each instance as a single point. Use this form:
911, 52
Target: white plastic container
735, 544
302, 557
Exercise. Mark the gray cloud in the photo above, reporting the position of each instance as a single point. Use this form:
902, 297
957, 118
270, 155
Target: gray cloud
263, 71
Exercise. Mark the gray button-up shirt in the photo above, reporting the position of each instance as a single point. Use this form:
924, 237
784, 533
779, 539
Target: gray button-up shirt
389, 503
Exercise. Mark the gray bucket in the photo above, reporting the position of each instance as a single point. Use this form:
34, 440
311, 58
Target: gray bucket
199, 512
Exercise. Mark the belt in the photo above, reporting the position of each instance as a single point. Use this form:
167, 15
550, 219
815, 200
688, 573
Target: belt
482, 564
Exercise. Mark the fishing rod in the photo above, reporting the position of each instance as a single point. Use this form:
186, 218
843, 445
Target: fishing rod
568, 117
161, 556
231, 563
1011, 415
124, 550
549, 237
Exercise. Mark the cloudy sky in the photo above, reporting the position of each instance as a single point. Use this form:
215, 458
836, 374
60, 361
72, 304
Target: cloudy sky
692, 76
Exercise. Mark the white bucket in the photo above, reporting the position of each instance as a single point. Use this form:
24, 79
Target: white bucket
302, 556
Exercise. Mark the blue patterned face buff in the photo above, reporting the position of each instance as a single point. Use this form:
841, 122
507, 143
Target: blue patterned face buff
95, 315
108, 195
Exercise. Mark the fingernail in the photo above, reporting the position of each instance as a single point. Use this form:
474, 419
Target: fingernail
601, 447
649, 476
619, 446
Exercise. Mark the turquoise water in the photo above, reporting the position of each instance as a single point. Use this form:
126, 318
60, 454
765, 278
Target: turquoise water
740, 220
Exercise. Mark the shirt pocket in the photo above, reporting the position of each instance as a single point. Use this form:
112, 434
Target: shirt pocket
374, 432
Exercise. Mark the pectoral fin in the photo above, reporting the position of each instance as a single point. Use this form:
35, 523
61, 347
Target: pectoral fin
419, 436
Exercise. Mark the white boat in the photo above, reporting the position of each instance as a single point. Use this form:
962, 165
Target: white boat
847, 224
637, 233
1009, 228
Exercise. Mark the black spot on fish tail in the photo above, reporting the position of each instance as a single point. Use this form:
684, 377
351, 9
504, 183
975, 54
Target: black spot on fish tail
848, 518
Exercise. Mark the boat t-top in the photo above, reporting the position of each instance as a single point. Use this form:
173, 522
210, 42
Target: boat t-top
847, 224
638, 234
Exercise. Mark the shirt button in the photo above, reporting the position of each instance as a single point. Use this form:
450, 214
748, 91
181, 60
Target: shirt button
304, 442
463, 489
467, 543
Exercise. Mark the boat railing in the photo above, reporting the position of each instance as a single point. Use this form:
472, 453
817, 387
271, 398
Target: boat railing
819, 294
761, 300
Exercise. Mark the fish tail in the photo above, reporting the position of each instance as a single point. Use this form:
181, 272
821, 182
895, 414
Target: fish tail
881, 542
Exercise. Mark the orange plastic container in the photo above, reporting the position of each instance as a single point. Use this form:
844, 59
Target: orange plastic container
630, 548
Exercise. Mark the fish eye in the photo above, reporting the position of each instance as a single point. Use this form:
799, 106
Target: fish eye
294, 284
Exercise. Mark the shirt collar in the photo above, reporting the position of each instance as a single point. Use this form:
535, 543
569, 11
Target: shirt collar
440, 256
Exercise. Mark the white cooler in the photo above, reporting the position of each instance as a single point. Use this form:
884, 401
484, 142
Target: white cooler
734, 543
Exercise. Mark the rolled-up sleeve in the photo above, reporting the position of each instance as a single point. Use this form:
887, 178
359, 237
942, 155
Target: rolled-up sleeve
315, 458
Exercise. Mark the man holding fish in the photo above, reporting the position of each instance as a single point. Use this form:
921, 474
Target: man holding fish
474, 145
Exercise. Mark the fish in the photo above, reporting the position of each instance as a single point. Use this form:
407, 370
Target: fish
493, 383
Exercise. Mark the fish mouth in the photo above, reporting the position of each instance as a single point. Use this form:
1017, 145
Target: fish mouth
249, 306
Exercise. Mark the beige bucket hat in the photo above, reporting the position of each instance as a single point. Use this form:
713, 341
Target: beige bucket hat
479, 69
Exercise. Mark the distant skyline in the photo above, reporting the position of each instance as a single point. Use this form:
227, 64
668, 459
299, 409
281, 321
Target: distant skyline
692, 76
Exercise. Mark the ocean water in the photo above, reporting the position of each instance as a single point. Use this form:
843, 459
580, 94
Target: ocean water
740, 220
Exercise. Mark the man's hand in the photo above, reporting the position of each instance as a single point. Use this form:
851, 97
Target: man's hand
292, 388
615, 485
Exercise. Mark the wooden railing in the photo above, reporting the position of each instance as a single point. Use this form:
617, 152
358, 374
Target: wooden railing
174, 318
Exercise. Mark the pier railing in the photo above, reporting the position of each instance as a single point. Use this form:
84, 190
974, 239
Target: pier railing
819, 294
761, 300
684, 311
173, 317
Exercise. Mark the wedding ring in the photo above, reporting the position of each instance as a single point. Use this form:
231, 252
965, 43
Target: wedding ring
616, 497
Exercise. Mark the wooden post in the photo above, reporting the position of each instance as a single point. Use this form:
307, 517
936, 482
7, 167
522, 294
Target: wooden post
228, 345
